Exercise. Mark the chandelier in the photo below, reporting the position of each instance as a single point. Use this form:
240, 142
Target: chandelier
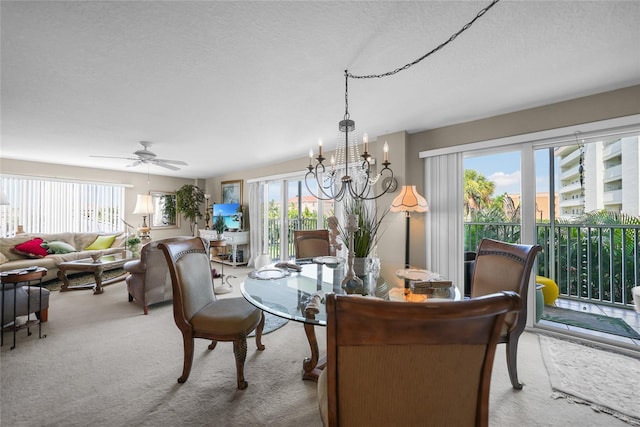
350, 173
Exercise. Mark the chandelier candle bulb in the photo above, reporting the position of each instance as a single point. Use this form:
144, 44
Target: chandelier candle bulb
311, 158
385, 148
365, 139
320, 147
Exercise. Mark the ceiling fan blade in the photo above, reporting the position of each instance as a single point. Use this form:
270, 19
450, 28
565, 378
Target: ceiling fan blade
136, 163
164, 165
173, 162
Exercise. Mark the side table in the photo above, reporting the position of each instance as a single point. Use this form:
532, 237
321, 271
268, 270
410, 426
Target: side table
14, 281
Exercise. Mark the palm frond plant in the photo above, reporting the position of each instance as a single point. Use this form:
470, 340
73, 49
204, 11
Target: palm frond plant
369, 221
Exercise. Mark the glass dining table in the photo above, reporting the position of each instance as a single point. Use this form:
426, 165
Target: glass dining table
299, 296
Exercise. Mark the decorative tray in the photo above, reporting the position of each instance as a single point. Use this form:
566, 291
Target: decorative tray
269, 273
329, 261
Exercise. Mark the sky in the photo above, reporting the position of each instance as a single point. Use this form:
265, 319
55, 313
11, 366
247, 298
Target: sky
504, 170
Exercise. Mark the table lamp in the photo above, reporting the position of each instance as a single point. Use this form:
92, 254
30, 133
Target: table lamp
409, 200
144, 207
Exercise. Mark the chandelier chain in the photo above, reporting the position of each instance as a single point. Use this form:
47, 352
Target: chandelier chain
411, 64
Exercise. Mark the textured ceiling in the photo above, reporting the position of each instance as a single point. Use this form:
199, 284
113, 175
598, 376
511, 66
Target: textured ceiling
225, 86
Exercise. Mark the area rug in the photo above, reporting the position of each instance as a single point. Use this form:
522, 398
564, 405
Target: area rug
84, 279
591, 321
272, 322
580, 374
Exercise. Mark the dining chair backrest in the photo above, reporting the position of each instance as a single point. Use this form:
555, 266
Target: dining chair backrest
191, 278
409, 364
311, 243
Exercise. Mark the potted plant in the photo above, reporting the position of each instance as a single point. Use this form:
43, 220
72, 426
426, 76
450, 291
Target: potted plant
189, 199
365, 263
219, 225
133, 243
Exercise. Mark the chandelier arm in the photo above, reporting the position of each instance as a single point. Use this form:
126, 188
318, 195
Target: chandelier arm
440, 46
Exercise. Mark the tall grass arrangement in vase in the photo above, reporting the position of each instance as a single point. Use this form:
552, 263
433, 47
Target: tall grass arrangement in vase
369, 233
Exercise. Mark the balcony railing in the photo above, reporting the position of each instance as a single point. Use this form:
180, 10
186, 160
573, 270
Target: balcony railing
593, 263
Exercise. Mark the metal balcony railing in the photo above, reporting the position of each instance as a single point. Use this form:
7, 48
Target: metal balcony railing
592, 263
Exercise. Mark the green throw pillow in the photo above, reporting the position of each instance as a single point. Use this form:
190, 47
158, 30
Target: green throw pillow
102, 242
57, 247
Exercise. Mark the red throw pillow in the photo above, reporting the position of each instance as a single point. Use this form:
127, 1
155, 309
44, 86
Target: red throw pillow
31, 248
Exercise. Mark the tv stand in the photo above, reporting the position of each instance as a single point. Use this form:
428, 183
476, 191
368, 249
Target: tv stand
234, 239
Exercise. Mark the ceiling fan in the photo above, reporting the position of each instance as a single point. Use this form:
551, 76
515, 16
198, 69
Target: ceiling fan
148, 157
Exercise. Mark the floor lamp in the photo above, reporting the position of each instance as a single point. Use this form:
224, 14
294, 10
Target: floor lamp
408, 201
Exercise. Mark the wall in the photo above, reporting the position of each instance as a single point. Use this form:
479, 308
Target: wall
136, 182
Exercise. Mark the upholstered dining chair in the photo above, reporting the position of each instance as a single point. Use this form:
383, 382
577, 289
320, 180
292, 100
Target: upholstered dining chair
501, 266
312, 243
407, 364
199, 314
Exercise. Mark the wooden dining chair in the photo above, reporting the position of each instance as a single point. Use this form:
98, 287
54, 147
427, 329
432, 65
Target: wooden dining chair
410, 364
199, 314
501, 266
311, 243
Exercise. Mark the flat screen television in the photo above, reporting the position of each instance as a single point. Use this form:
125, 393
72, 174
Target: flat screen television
229, 212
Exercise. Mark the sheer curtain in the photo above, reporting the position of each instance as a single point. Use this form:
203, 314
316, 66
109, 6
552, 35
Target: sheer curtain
444, 225
255, 220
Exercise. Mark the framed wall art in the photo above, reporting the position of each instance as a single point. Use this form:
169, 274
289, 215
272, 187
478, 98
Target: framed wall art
232, 191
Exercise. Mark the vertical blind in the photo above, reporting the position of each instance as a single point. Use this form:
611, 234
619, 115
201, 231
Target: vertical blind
42, 205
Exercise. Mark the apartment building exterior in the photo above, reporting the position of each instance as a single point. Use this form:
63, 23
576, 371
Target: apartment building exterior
599, 175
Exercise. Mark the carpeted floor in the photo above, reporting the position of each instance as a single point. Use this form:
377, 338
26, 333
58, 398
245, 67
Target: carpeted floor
104, 363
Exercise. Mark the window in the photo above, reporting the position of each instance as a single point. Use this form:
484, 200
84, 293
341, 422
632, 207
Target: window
41, 205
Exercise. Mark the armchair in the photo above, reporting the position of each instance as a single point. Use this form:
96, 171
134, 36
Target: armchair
149, 281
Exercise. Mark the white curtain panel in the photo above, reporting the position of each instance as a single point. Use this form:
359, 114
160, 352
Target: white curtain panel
255, 231
444, 225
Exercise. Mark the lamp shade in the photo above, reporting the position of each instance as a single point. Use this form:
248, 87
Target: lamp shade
409, 201
144, 205
3, 198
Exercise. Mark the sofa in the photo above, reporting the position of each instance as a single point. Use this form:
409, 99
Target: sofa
149, 281
58, 247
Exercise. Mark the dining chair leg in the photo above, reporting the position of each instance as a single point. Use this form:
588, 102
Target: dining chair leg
187, 340
240, 351
259, 329
512, 362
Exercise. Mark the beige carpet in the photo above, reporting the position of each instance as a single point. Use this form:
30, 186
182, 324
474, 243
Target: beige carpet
104, 363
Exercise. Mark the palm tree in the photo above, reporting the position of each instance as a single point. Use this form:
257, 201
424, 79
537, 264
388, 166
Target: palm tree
477, 191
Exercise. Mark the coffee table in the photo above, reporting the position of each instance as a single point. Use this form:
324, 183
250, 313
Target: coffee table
289, 297
107, 262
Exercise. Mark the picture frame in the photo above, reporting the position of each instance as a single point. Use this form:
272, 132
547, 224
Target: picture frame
164, 206
232, 191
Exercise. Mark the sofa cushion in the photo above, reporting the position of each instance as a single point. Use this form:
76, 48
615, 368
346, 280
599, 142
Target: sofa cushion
101, 242
7, 244
58, 247
31, 248
3, 258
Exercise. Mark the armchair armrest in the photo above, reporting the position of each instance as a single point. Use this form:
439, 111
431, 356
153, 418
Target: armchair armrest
135, 266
